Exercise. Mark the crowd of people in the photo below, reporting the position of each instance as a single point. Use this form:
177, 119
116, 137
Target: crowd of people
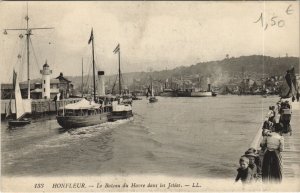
265, 164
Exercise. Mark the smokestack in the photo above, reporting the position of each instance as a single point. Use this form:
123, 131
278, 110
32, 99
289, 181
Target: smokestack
208, 84
101, 86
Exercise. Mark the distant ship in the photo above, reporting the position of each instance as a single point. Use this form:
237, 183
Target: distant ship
201, 93
84, 113
152, 98
167, 92
183, 93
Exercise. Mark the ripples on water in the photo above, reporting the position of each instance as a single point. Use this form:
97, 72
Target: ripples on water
200, 137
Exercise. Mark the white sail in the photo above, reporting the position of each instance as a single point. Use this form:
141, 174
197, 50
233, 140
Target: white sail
152, 91
18, 98
8, 110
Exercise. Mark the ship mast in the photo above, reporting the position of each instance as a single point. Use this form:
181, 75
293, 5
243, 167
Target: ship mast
82, 78
28, 31
117, 49
120, 86
94, 80
27, 41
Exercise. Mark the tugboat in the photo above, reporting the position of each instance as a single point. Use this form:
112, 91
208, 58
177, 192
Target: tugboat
120, 111
122, 107
19, 106
84, 113
200, 93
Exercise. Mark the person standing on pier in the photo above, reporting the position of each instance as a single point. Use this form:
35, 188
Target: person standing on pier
271, 114
271, 166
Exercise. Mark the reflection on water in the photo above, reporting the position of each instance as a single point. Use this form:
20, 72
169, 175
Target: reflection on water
201, 137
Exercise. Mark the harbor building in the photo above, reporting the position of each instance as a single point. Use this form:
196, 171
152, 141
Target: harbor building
65, 86
41, 88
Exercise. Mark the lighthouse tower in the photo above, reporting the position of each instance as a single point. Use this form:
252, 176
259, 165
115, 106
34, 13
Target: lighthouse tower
46, 72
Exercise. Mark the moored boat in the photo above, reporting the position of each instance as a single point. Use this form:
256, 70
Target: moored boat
19, 106
168, 93
183, 93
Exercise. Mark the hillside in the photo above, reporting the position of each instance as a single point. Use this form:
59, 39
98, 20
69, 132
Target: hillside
221, 71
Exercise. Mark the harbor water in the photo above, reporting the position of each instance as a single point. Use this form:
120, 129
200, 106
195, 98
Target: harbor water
192, 137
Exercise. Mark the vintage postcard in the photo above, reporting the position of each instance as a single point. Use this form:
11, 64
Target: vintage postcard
149, 96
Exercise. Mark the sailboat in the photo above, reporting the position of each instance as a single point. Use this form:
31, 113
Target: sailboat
19, 106
122, 107
84, 113
152, 98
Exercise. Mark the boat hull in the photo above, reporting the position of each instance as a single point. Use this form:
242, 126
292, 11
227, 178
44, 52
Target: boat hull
18, 123
118, 115
68, 122
153, 100
183, 94
168, 94
203, 94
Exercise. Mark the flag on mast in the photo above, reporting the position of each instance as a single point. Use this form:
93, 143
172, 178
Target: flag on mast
117, 49
91, 37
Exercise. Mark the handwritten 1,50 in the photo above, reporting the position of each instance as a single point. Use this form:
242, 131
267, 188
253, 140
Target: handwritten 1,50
274, 21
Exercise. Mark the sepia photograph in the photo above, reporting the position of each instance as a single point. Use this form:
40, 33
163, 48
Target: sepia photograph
150, 96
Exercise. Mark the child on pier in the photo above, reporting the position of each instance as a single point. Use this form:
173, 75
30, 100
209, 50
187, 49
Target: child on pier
244, 172
254, 163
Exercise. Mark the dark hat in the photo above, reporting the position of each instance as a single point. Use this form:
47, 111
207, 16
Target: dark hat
251, 152
247, 154
251, 149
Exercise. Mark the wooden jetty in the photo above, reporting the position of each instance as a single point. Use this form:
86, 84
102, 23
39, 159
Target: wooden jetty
40, 106
291, 152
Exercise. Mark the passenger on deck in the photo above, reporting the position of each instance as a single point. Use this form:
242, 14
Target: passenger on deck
244, 172
254, 163
271, 166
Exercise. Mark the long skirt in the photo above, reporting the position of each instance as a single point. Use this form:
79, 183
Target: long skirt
272, 167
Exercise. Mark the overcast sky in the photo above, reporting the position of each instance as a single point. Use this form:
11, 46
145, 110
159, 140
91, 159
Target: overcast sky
155, 35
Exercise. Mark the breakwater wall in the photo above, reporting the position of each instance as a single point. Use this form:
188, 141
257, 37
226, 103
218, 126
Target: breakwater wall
290, 154
38, 106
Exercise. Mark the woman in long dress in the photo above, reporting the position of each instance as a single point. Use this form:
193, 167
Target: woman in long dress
273, 144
